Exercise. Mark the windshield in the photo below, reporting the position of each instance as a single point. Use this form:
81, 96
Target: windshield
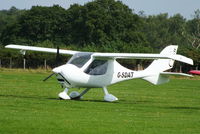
80, 59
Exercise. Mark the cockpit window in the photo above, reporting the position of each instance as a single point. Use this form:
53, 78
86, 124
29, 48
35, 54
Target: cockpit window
80, 59
97, 67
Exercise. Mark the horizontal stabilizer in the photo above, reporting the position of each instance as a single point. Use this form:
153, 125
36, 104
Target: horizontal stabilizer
163, 77
157, 79
175, 74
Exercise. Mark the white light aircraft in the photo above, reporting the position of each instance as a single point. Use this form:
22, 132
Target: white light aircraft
99, 70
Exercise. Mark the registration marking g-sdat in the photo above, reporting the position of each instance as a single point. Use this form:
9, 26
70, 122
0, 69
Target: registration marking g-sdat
125, 74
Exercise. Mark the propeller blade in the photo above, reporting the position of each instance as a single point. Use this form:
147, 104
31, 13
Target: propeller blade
57, 60
48, 77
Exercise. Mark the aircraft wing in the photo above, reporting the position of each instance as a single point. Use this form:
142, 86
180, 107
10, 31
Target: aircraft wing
41, 49
107, 55
142, 56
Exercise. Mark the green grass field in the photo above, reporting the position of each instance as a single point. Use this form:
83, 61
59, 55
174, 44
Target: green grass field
30, 106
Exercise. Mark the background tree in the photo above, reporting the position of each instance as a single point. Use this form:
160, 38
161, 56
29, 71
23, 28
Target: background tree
100, 25
193, 31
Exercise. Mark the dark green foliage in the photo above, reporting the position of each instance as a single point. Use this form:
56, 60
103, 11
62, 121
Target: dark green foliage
38, 24
8, 26
100, 25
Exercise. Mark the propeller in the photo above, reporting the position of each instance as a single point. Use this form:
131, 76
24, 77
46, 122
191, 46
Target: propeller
49, 76
57, 60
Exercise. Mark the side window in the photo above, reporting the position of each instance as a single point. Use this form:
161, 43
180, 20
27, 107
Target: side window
97, 67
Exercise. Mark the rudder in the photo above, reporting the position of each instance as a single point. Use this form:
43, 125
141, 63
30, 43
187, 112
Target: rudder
161, 65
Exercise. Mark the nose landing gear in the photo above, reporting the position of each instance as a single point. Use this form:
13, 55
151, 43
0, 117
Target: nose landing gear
63, 95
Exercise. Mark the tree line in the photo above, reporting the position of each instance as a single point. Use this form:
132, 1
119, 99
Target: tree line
100, 25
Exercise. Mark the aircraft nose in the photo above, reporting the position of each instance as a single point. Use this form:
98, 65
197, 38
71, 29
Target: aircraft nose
58, 69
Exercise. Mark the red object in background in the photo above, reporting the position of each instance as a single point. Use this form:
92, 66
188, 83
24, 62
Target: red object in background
194, 72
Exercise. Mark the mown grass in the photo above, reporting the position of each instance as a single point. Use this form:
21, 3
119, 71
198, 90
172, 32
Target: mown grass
30, 106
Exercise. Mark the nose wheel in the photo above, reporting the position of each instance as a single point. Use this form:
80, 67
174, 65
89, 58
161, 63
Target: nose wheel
63, 95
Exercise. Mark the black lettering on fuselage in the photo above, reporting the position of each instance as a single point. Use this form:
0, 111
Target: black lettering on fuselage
125, 74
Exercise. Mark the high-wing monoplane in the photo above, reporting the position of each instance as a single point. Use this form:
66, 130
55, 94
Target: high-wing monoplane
99, 70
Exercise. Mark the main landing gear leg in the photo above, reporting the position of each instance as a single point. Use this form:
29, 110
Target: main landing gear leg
77, 95
109, 97
63, 95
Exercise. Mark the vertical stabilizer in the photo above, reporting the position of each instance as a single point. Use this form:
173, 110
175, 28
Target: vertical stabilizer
161, 65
